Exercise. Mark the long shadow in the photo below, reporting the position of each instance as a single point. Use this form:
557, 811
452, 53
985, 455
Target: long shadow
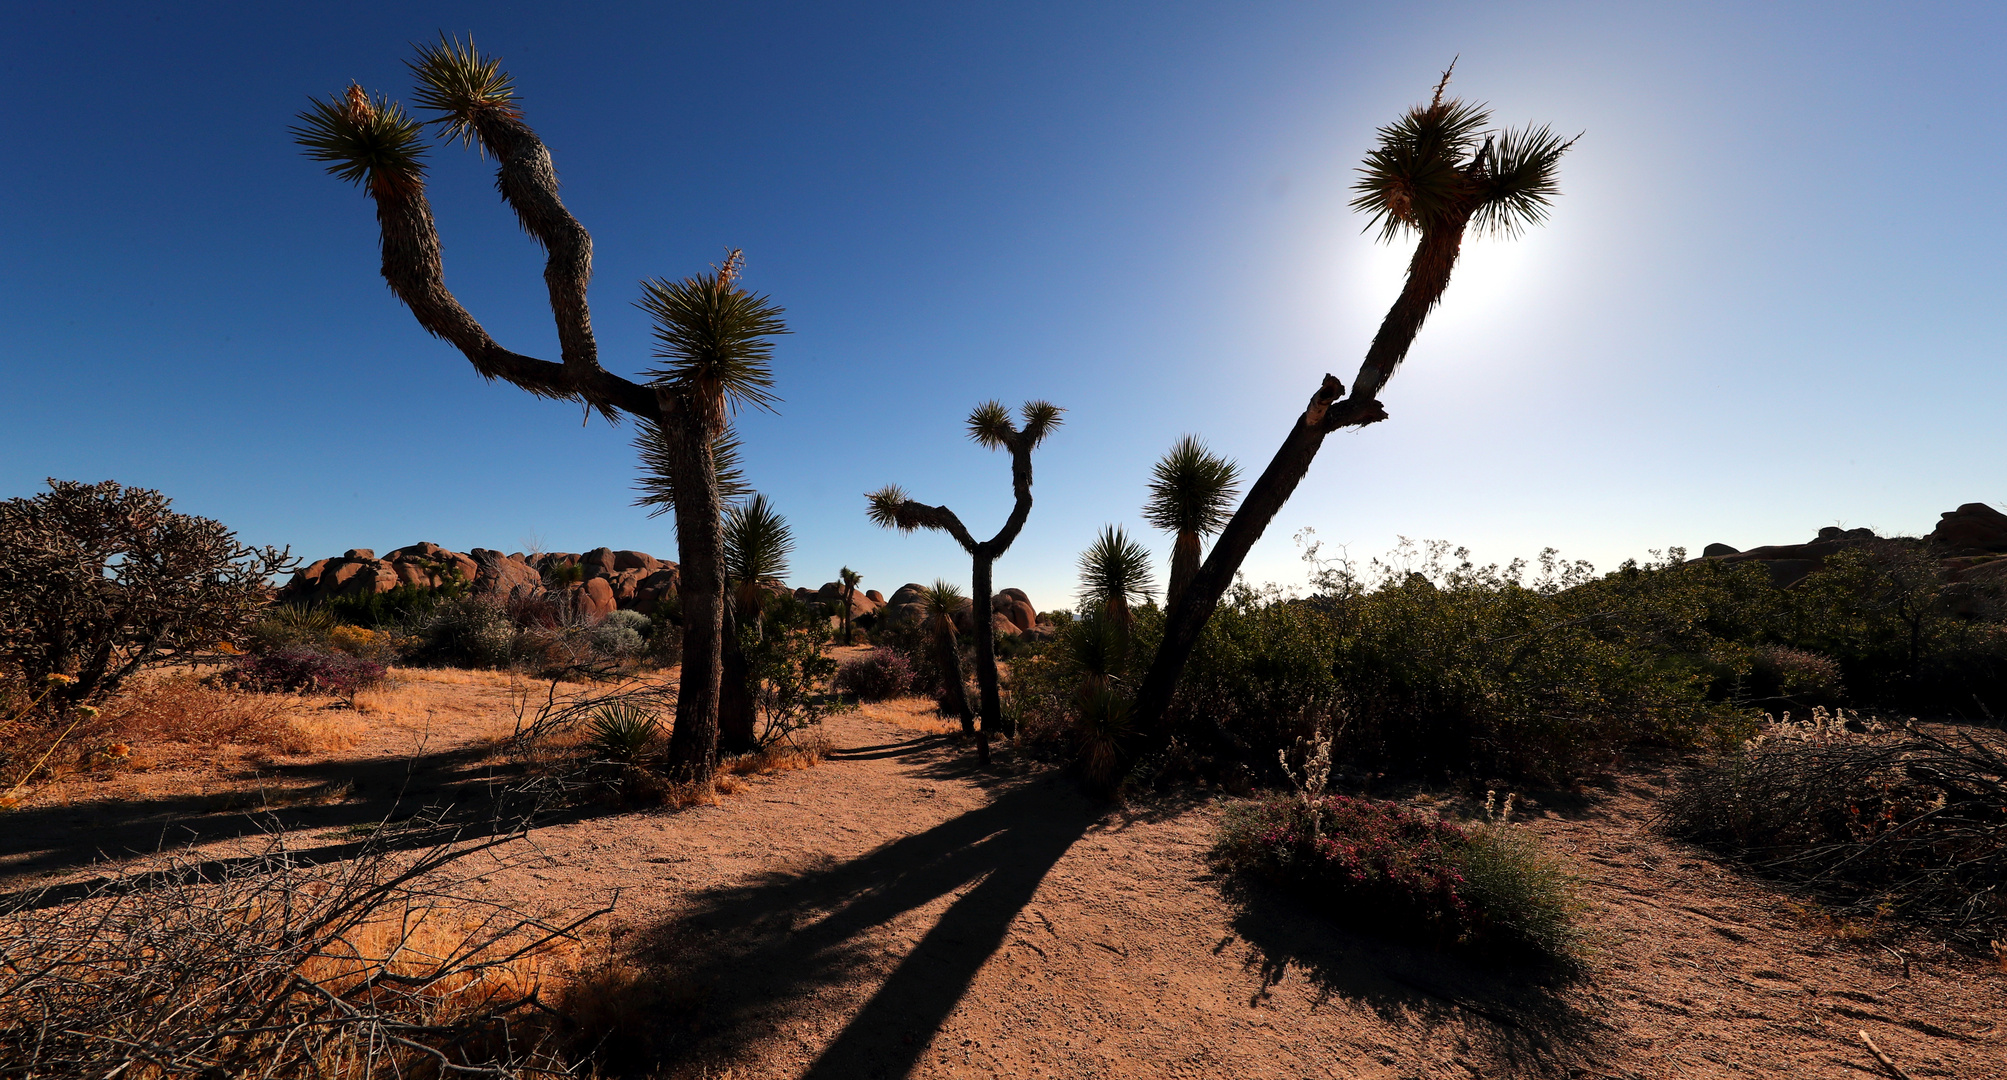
747, 947
466, 800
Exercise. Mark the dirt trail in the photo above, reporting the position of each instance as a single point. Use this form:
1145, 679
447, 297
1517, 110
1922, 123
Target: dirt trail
895, 912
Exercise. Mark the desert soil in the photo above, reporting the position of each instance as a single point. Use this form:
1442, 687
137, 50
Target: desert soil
897, 912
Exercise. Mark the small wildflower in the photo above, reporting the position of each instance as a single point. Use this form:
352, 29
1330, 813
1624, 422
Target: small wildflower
86, 711
57, 678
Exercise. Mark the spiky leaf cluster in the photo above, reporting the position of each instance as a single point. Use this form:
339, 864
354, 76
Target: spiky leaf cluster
1115, 570
885, 505
942, 598
657, 482
1192, 489
463, 86
365, 140
716, 339
990, 424
757, 542
1435, 167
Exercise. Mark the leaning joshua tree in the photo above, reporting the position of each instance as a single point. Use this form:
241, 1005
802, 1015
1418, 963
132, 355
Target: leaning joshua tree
1191, 495
1435, 173
713, 335
989, 424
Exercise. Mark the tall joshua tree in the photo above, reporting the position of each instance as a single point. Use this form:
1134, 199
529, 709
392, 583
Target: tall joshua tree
989, 424
713, 334
1191, 495
1435, 173
849, 579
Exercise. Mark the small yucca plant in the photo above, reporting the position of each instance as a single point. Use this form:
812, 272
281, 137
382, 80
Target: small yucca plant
622, 732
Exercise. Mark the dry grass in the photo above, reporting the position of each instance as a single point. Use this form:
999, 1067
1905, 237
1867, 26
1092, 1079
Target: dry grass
915, 713
389, 964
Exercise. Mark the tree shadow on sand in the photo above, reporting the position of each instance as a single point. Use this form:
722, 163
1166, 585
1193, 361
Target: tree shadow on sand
757, 954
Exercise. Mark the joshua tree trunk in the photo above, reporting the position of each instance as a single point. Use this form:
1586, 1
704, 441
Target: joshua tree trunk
737, 720
849, 602
948, 657
693, 742
1428, 275
1184, 566
983, 623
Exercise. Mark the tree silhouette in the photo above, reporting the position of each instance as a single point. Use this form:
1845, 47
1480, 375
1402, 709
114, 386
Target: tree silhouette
989, 424
1191, 495
1433, 173
713, 336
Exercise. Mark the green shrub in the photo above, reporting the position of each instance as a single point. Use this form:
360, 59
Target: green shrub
1381, 867
621, 634
469, 632
403, 606
285, 626
789, 669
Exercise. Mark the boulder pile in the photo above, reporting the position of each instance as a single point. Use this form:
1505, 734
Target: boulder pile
601, 581
596, 583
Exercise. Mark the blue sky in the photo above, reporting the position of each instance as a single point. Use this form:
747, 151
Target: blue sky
1769, 298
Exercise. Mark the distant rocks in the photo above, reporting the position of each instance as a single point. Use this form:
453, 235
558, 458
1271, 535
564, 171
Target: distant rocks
597, 583
594, 584
1969, 540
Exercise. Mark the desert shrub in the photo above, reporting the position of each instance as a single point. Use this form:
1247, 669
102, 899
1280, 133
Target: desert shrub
1796, 676
789, 669
469, 632
306, 671
380, 965
1379, 865
879, 674
286, 625
665, 645
1877, 822
1426, 663
405, 605
98, 581
621, 634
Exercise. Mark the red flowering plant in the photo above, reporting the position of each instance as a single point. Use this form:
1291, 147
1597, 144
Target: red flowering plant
1384, 867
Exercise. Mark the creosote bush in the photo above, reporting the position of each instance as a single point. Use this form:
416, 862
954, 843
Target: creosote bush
306, 671
879, 674
1381, 867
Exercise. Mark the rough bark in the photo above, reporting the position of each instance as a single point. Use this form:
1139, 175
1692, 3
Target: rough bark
1428, 276
1184, 565
700, 539
948, 657
737, 720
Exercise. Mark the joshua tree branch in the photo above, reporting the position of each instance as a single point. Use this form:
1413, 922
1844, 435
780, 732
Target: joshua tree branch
413, 268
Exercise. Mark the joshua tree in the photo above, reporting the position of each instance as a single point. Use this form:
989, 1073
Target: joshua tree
940, 602
757, 544
1191, 493
713, 334
989, 424
1435, 173
849, 578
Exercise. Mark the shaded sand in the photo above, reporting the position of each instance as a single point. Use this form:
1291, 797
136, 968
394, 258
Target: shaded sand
896, 912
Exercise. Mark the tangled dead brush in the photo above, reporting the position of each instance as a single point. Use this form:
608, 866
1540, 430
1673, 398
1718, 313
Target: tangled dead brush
1877, 821
385, 964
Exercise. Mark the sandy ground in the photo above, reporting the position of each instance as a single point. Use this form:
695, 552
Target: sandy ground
896, 912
